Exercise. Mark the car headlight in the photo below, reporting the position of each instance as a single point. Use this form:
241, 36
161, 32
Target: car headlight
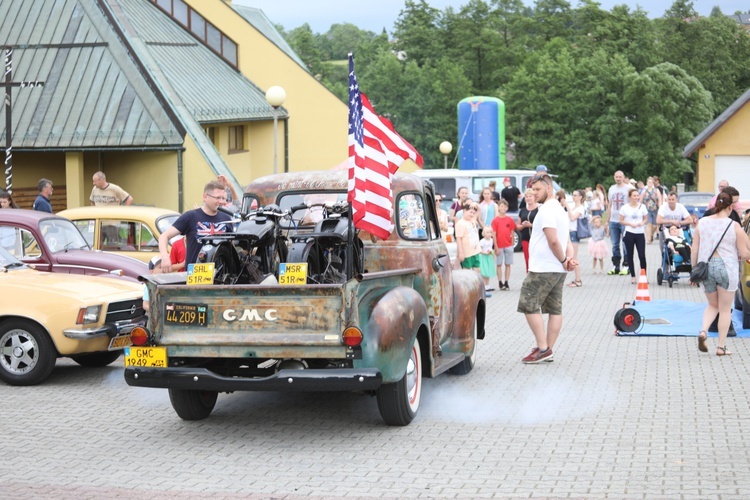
88, 315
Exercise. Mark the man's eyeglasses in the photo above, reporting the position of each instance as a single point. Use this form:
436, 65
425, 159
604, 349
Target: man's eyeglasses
220, 198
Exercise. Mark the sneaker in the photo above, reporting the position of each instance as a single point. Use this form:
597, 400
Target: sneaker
487, 295
537, 356
489, 288
505, 286
624, 271
613, 271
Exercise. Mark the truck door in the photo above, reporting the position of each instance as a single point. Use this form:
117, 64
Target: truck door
441, 280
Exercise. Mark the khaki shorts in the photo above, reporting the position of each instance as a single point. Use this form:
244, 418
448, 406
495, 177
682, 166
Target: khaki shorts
542, 293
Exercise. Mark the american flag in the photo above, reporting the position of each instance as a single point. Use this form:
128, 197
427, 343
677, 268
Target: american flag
375, 153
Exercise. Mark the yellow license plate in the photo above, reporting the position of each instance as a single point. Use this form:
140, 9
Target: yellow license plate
120, 342
146, 357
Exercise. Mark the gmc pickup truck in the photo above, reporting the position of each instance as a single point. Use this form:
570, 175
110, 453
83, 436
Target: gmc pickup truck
402, 315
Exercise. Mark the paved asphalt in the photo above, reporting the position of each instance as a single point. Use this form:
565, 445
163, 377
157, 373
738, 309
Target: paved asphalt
612, 417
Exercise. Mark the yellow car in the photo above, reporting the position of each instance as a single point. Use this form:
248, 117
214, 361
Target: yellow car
44, 316
130, 230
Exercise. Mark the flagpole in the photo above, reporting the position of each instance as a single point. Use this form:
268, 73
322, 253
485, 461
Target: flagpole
350, 245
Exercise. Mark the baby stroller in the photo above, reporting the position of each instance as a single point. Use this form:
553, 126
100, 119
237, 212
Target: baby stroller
674, 262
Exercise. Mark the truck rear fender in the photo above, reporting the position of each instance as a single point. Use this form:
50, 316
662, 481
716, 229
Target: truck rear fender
394, 319
469, 305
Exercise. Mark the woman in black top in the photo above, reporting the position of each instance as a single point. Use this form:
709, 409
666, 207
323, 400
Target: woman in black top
525, 219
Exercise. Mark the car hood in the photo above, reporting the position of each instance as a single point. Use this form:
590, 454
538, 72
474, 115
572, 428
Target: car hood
86, 288
107, 261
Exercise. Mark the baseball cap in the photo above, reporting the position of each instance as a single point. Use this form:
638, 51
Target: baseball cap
541, 168
507, 179
154, 262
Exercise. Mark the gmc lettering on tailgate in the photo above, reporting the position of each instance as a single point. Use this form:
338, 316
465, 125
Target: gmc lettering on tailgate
249, 315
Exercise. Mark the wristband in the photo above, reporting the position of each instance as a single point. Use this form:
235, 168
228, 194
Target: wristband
564, 260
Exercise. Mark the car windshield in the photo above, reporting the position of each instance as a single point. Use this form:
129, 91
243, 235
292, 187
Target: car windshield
61, 235
7, 261
695, 198
165, 222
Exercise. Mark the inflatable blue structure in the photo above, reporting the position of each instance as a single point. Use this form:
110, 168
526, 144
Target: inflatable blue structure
481, 133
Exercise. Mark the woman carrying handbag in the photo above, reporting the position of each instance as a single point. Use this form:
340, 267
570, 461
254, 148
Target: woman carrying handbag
720, 242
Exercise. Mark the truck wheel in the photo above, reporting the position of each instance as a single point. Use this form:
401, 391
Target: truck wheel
97, 359
399, 402
467, 364
27, 355
192, 405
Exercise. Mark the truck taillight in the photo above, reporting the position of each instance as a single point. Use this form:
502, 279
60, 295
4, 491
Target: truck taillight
352, 336
139, 336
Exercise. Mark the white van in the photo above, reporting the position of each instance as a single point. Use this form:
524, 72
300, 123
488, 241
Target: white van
449, 181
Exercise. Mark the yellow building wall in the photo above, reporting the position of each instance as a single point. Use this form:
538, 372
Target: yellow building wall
257, 159
149, 177
731, 138
28, 168
197, 173
317, 118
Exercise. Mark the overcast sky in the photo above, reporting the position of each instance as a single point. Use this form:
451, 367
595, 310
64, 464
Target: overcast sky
376, 15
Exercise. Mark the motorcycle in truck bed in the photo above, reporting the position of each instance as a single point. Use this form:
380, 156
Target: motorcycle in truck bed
364, 315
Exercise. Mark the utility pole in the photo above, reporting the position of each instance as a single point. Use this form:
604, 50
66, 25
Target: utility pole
8, 83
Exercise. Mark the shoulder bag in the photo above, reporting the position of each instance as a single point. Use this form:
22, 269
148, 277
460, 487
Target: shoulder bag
699, 271
582, 227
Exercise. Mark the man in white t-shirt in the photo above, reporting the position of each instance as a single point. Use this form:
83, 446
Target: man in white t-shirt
618, 196
550, 258
672, 213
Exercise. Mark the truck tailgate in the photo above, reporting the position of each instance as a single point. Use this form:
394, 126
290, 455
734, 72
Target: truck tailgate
250, 315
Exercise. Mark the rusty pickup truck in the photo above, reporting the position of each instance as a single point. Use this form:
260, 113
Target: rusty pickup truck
405, 316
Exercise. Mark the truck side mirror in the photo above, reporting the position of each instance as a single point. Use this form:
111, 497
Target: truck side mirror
437, 262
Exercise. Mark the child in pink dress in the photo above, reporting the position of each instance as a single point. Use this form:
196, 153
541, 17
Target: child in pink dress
597, 245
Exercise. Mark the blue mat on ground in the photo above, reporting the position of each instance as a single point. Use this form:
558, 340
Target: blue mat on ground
676, 318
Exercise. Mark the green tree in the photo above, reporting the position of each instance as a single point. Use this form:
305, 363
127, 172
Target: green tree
564, 111
553, 19
665, 109
715, 50
302, 41
474, 41
419, 100
345, 38
416, 31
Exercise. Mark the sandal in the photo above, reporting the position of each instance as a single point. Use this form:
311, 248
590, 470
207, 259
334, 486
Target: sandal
722, 351
702, 341
575, 283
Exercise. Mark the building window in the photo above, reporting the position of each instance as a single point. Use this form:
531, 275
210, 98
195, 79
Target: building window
237, 139
211, 134
197, 25
206, 32
213, 37
180, 12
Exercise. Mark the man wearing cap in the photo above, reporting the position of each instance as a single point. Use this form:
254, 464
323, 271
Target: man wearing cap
510, 194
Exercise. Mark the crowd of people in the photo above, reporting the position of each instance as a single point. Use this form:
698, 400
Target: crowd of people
629, 213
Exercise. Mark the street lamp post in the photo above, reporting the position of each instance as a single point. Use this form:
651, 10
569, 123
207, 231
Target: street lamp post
446, 148
275, 96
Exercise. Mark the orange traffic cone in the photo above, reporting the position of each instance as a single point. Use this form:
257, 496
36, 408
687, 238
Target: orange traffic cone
642, 292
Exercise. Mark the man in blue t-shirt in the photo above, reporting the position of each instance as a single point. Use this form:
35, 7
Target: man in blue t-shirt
203, 221
42, 202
